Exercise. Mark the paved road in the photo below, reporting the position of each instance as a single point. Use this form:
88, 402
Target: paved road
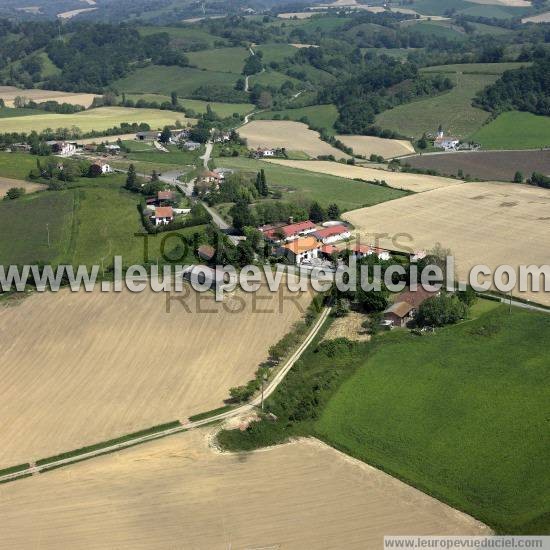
207, 154
268, 390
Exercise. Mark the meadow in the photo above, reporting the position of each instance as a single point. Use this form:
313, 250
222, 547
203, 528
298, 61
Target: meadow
452, 109
222, 109
319, 116
9, 93
515, 130
272, 78
185, 37
225, 60
467, 427
164, 80
88, 224
17, 165
275, 52
94, 119
324, 188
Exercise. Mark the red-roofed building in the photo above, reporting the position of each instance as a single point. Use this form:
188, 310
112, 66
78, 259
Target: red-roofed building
290, 232
332, 234
362, 250
302, 249
163, 215
328, 250
165, 196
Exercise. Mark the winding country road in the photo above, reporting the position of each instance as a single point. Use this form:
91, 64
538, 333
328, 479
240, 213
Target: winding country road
268, 390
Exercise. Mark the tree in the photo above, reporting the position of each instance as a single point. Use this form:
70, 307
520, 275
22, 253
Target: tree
333, 211
265, 101
441, 310
240, 84
14, 193
252, 65
131, 179
423, 142
316, 213
2, 103
245, 254
95, 171
518, 177
241, 215
165, 135
200, 134
174, 99
261, 183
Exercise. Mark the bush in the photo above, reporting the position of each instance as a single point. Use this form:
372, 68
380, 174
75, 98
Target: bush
445, 309
14, 193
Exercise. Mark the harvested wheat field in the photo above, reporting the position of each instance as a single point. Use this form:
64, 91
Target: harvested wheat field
294, 136
370, 145
81, 368
9, 93
8, 183
508, 3
178, 493
482, 223
540, 18
400, 180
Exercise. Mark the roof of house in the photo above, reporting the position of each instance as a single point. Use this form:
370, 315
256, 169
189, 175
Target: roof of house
165, 195
304, 244
209, 174
292, 229
329, 249
164, 212
206, 252
331, 231
417, 297
441, 139
401, 309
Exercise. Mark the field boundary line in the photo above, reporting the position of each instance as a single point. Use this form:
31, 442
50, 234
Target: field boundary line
268, 390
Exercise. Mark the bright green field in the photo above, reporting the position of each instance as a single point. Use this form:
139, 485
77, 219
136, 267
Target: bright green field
275, 52
325, 189
93, 119
184, 36
440, 29
439, 7
164, 80
7, 112
88, 224
271, 78
225, 60
462, 414
515, 130
320, 116
453, 110
222, 109
475, 68
17, 165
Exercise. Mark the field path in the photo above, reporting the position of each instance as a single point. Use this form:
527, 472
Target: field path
268, 390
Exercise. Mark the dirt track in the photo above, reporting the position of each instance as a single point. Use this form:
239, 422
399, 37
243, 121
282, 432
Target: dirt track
177, 493
81, 368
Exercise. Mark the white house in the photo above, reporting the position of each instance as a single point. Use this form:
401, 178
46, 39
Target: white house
268, 153
302, 250
191, 145
445, 142
103, 166
163, 215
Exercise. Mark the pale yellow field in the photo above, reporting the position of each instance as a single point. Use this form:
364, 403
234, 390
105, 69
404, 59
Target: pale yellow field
482, 223
8, 183
9, 93
540, 18
81, 368
294, 136
410, 182
94, 119
177, 493
370, 145
297, 15
74, 13
108, 139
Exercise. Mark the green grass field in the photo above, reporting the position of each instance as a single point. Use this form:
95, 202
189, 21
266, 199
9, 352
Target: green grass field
222, 109
186, 37
17, 165
93, 119
440, 7
174, 157
272, 78
325, 189
7, 112
275, 52
441, 29
88, 224
515, 130
453, 110
462, 414
225, 60
476, 68
320, 116
164, 80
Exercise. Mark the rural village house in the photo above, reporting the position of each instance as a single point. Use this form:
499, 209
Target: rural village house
332, 234
102, 166
62, 148
302, 249
406, 305
445, 142
288, 232
163, 215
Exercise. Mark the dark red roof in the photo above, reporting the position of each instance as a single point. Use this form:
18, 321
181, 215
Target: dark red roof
331, 231
164, 212
416, 297
292, 229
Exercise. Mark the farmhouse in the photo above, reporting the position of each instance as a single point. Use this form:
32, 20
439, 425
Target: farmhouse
101, 167
362, 250
62, 148
399, 314
332, 234
210, 177
445, 142
165, 196
289, 232
163, 215
301, 250
147, 136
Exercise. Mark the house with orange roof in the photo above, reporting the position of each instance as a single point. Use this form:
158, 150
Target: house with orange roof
303, 249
